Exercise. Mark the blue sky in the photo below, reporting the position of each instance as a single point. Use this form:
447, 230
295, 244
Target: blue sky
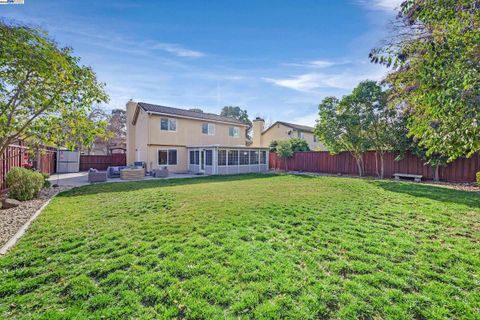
277, 59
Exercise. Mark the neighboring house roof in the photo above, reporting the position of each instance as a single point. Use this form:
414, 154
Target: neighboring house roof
294, 126
163, 110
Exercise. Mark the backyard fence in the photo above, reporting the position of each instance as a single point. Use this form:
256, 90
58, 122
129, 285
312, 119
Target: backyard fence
102, 162
42, 159
461, 170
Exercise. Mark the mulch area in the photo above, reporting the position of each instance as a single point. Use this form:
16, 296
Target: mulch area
14, 218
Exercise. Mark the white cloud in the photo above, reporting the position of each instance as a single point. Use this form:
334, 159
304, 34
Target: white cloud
322, 63
315, 80
387, 5
178, 50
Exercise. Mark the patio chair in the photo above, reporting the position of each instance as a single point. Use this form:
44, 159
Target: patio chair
160, 173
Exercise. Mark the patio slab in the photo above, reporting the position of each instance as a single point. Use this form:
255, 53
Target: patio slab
78, 179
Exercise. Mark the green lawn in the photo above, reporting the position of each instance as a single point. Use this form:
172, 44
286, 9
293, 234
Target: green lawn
250, 246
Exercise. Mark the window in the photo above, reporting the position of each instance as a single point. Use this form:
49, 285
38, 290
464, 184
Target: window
253, 157
315, 138
301, 135
208, 157
172, 157
208, 128
244, 157
234, 132
232, 157
197, 157
167, 124
222, 157
167, 157
192, 157
263, 157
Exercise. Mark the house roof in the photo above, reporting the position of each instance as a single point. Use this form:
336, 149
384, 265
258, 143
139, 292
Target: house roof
158, 109
294, 126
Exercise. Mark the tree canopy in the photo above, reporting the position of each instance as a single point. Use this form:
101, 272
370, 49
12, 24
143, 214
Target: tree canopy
45, 94
434, 53
238, 114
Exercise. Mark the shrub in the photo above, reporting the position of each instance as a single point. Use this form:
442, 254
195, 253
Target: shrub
23, 184
478, 178
273, 146
299, 145
46, 183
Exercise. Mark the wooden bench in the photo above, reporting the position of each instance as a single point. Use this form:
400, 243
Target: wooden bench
416, 177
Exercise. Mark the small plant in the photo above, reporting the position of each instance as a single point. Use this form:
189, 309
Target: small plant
299, 145
478, 178
24, 184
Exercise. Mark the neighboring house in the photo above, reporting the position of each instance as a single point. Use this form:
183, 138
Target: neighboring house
189, 141
281, 131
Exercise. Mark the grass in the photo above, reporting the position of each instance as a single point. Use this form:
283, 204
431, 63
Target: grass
249, 246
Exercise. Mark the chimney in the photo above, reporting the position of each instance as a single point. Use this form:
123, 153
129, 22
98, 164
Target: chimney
131, 107
258, 126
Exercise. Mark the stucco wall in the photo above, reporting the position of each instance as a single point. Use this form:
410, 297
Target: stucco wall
280, 132
189, 132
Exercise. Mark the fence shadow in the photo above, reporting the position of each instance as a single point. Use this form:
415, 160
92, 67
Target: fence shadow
149, 184
442, 194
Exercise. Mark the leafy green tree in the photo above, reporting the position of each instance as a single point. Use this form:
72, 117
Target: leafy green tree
45, 95
383, 123
238, 114
285, 151
343, 126
299, 145
434, 53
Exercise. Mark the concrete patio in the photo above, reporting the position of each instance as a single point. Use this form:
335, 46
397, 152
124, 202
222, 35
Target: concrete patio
78, 179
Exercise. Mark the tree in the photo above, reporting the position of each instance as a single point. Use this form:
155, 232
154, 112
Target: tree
434, 53
238, 114
299, 145
273, 146
343, 126
284, 151
383, 124
196, 110
45, 95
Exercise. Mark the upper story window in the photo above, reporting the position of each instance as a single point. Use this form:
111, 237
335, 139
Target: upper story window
315, 139
208, 128
234, 132
301, 135
167, 124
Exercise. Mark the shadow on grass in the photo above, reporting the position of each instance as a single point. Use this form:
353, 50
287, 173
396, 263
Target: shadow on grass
148, 184
470, 199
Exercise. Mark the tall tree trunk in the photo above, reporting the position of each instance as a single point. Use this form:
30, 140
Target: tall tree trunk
382, 170
359, 161
436, 173
376, 164
286, 164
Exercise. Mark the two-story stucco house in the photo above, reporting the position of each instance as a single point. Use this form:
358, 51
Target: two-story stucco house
262, 137
190, 141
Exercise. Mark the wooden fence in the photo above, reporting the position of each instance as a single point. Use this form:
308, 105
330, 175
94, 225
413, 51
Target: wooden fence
19, 156
102, 162
461, 170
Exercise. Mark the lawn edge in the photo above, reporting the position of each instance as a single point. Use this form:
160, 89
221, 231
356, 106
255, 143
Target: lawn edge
20, 232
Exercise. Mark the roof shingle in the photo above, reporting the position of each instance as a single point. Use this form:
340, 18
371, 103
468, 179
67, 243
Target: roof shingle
186, 113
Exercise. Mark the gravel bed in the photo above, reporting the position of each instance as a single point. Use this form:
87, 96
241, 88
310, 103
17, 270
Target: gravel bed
14, 218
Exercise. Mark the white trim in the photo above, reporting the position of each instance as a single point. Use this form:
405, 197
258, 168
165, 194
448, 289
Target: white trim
167, 149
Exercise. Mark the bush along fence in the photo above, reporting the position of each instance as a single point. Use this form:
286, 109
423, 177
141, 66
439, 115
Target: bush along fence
102, 162
461, 170
43, 159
